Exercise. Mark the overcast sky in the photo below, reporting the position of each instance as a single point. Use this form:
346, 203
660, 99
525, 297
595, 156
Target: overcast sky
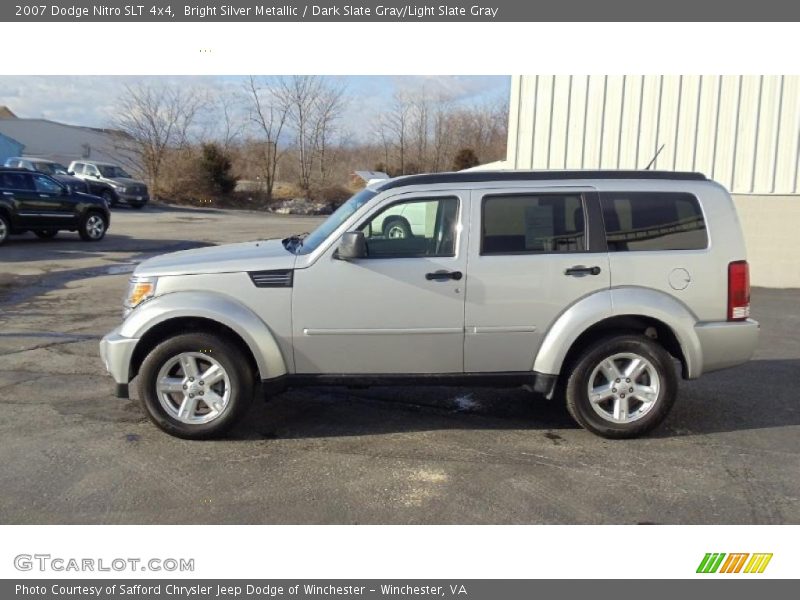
91, 100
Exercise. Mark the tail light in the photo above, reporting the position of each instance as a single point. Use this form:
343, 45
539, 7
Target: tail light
738, 290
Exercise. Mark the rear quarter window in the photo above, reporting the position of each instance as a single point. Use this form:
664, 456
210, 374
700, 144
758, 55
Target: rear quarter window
16, 181
653, 221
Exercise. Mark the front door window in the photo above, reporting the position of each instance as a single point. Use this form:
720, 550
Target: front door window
415, 228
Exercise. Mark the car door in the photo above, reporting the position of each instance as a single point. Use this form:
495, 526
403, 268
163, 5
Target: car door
399, 310
51, 204
91, 175
535, 252
18, 188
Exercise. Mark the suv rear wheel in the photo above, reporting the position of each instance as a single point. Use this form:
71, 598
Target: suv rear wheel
93, 227
195, 385
622, 386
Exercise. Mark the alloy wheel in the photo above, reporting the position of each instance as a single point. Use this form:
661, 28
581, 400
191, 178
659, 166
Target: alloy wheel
95, 227
193, 388
624, 387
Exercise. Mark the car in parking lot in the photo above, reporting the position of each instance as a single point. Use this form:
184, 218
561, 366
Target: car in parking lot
32, 201
49, 167
586, 286
111, 182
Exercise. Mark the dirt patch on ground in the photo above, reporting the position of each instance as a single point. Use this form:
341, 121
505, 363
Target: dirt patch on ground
7, 283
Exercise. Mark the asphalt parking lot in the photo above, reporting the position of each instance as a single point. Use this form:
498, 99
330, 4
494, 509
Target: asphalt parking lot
72, 453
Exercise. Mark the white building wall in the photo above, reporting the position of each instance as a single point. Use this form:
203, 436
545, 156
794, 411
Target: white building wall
60, 142
741, 130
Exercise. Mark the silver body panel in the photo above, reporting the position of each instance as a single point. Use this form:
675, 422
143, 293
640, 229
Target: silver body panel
508, 313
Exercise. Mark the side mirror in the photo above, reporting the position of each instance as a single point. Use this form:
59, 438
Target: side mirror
71, 173
352, 245
66, 190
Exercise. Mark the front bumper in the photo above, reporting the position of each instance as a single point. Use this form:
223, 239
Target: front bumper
116, 351
727, 343
134, 198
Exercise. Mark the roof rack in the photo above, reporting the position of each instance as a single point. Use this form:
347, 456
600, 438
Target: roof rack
483, 176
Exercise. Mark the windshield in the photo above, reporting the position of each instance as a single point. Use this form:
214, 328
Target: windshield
50, 168
344, 212
111, 172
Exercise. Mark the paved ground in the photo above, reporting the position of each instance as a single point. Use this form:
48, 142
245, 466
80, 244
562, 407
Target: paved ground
72, 453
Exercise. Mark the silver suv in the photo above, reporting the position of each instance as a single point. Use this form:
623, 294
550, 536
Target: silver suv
591, 286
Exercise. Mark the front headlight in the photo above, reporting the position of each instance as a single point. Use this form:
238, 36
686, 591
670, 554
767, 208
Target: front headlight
139, 290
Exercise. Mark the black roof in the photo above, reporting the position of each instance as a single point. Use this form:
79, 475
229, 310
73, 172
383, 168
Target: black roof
483, 176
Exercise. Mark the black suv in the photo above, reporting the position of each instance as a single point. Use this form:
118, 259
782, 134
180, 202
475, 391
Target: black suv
36, 202
111, 182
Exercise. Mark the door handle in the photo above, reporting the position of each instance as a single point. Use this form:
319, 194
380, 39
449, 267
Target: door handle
44, 196
580, 271
8, 194
444, 275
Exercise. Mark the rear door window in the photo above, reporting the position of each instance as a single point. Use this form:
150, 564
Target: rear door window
533, 224
653, 221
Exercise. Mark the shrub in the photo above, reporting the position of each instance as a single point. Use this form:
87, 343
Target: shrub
216, 169
465, 159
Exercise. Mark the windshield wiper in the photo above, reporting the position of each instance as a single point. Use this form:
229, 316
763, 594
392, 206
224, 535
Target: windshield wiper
294, 241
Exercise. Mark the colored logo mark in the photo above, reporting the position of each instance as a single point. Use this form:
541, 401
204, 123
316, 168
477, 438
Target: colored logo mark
719, 562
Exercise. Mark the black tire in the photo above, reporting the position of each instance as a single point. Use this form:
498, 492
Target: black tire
87, 228
227, 354
110, 198
45, 234
5, 229
580, 405
397, 227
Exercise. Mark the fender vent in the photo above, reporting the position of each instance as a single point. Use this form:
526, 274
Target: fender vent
276, 278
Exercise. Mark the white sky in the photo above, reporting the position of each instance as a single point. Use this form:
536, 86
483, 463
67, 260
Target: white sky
91, 100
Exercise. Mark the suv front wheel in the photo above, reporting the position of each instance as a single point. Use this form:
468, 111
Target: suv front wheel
93, 227
195, 385
621, 386
5, 228
110, 198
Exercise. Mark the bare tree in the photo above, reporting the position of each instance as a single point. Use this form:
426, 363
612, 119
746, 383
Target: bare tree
328, 111
151, 120
314, 106
268, 111
298, 94
231, 124
420, 110
394, 127
442, 133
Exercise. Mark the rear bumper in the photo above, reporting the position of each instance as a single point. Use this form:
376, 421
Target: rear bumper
727, 343
116, 352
